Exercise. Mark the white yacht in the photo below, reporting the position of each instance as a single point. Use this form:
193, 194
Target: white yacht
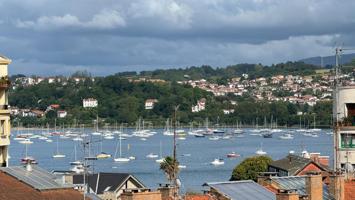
217, 161
286, 136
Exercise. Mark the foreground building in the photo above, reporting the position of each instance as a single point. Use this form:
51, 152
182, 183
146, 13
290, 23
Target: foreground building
239, 190
344, 139
107, 185
294, 165
4, 112
33, 183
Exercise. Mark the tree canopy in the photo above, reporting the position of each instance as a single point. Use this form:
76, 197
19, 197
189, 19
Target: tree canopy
250, 167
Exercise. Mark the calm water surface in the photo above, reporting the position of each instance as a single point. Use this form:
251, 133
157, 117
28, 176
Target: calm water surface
202, 151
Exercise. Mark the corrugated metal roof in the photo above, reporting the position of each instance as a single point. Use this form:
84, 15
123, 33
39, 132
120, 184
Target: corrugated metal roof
243, 190
38, 178
298, 183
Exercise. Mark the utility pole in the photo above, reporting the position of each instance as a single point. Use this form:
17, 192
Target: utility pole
336, 125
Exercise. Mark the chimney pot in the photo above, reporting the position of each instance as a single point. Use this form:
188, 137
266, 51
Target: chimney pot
29, 166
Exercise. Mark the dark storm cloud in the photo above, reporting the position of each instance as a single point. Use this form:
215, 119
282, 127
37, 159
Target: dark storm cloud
58, 37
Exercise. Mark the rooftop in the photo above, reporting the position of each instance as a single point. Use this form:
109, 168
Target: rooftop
297, 183
38, 178
106, 182
246, 190
4, 60
15, 189
293, 164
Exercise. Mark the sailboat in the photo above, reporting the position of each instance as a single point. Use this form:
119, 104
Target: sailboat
161, 159
130, 157
314, 125
208, 131
102, 155
260, 150
76, 161
97, 127
167, 130
120, 158
238, 130
58, 155
286, 136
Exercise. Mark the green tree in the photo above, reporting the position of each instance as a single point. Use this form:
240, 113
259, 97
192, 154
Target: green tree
170, 167
250, 167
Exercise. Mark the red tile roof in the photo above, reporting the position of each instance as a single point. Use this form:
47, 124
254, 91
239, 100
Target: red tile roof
11, 188
198, 197
349, 188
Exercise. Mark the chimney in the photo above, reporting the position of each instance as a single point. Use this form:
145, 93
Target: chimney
264, 178
314, 186
314, 157
29, 166
287, 195
167, 191
336, 186
324, 160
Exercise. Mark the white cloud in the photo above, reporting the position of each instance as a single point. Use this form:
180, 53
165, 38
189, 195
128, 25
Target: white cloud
163, 12
106, 19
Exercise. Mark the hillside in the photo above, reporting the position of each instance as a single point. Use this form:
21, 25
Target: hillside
208, 72
121, 98
328, 60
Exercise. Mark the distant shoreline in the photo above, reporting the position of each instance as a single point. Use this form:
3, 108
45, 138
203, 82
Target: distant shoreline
160, 127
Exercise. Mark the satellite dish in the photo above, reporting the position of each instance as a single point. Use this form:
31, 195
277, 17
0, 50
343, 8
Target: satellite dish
291, 152
178, 182
349, 167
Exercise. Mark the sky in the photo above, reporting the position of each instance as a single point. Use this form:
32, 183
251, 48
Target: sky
52, 37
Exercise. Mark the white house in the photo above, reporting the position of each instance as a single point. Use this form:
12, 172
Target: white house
201, 105
228, 111
149, 103
90, 103
61, 113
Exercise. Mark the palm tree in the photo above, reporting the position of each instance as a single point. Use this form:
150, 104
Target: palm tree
170, 166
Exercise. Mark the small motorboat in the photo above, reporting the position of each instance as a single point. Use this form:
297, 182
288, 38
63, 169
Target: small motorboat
286, 136
217, 162
182, 166
160, 160
152, 155
214, 138
26, 141
233, 155
96, 133
58, 156
103, 155
77, 162
260, 152
267, 135
199, 135
121, 159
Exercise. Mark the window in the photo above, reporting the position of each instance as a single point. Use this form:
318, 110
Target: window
2, 127
347, 141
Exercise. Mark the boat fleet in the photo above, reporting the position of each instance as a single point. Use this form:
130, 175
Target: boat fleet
79, 135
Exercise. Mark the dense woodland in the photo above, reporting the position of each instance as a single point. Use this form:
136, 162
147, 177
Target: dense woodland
210, 73
122, 101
